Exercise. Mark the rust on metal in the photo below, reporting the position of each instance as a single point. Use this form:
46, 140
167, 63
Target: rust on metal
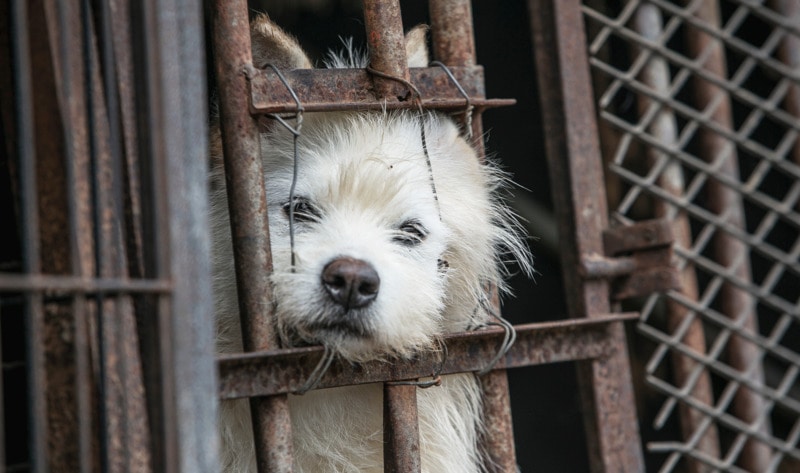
400, 429
284, 371
730, 252
499, 428
650, 260
639, 236
454, 45
387, 48
322, 90
451, 32
573, 152
249, 227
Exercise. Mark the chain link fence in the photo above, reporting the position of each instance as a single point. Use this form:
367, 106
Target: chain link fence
699, 106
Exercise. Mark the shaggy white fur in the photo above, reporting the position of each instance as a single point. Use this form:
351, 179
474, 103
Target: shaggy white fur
364, 194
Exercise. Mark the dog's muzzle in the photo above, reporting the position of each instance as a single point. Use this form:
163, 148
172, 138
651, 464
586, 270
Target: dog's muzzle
351, 283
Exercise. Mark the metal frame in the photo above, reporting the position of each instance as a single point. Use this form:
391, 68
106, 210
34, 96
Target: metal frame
707, 79
110, 151
592, 336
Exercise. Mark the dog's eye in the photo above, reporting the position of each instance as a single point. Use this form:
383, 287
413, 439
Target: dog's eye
303, 210
411, 233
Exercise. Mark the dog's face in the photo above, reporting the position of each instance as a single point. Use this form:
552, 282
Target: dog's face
389, 250
369, 246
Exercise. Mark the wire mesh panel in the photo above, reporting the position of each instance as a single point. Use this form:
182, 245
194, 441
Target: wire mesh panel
698, 104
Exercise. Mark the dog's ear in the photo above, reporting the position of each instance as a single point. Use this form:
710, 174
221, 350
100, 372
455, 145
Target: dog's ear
272, 45
417, 46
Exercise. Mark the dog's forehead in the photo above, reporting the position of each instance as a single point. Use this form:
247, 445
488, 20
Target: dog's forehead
373, 161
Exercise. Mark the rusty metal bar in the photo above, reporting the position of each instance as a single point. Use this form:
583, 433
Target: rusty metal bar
322, 90
53, 284
65, 39
499, 428
387, 47
452, 32
26, 155
283, 371
249, 226
400, 429
384, 27
730, 252
574, 158
454, 45
689, 374
124, 434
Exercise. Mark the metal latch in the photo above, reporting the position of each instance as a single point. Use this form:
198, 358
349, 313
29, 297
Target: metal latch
637, 260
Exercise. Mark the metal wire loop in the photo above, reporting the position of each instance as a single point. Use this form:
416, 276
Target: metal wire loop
436, 375
508, 340
411, 87
295, 131
319, 371
469, 107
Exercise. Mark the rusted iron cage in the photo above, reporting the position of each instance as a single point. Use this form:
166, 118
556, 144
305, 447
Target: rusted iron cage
105, 291
699, 111
105, 299
595, 338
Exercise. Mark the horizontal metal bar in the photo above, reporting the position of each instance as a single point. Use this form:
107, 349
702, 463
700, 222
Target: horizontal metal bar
352, 89
595, 266
267, 373
53, 284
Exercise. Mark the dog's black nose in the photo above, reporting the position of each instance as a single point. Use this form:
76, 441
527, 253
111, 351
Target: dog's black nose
352, 283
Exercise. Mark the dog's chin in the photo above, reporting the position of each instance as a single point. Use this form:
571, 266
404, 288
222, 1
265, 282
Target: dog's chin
339, 329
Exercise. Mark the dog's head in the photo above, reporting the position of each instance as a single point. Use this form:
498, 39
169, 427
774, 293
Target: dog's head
383, 263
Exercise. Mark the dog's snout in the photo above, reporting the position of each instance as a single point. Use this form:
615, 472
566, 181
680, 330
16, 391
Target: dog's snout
351, 283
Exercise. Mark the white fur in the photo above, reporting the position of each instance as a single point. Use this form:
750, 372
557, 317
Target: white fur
366, 174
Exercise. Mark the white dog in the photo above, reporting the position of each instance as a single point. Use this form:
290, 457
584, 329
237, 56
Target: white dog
383, 267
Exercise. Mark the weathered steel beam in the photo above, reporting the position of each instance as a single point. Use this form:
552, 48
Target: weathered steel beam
323, 90
272, 372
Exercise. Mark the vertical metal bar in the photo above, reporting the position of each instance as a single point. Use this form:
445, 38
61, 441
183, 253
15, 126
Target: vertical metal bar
386, 46
573, 154
176, 153
400, 429
452, 32
26, 154
64, 27
499, 441
384, 27
454, 45
55, 254
128, 410
73, 118
249, 226
728, 251
688, 373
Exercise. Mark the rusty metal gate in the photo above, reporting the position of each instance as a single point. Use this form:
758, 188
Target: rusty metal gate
699, 111
691, 109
